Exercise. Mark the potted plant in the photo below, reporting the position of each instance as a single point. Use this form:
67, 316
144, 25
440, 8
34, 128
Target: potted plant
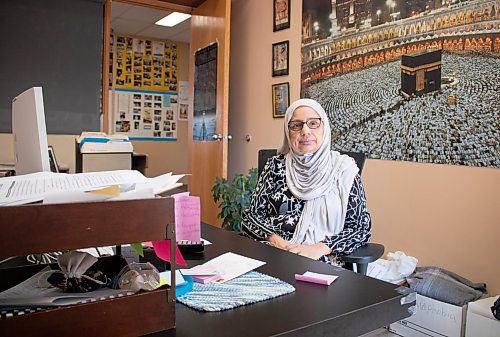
234, 197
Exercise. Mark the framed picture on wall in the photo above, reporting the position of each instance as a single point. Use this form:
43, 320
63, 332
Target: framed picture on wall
281, 14
280, 58
281, 99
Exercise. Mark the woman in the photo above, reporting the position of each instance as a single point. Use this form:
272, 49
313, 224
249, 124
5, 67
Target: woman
309, 200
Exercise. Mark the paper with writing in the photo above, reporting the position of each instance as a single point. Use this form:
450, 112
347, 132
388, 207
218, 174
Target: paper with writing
33, 187
187, 217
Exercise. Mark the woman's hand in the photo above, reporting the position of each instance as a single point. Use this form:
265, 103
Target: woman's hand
314, 251
278, 242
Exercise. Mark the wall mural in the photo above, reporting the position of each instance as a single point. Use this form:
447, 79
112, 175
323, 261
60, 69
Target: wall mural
407, 80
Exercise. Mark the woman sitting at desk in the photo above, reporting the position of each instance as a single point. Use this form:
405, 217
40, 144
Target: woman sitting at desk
309, 200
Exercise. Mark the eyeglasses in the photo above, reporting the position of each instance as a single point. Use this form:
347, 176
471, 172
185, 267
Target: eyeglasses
312, 123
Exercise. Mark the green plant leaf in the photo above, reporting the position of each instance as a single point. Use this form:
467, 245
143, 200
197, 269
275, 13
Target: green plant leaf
234, 198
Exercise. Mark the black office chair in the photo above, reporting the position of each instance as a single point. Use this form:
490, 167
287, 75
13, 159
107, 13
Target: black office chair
361, 256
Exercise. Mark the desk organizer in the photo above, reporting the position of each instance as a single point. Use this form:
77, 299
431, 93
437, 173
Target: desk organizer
34, 229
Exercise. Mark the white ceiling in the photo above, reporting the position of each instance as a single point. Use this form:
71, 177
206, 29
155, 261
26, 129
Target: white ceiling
140, 21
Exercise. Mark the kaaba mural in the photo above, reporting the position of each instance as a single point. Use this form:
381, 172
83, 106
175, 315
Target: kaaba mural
421, 72
410, 80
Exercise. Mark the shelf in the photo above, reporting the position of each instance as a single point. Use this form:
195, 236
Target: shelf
38, 228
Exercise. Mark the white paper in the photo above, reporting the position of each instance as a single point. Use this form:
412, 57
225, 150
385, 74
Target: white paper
165, 276
73, 196
36, 291
206, 242
140, 193
158, 48
35, 187
228, 266
165, 182
200, 270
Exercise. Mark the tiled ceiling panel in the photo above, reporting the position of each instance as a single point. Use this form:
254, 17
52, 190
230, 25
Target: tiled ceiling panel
140, 21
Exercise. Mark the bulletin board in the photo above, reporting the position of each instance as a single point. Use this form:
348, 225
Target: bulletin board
145, 115
145, 64
144, 88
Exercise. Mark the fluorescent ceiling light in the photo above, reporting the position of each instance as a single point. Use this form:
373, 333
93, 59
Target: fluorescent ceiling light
173, 19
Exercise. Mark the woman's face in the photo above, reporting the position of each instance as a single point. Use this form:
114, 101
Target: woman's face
306, 140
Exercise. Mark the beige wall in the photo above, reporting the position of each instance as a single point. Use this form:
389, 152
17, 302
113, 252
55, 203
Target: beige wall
64, 147
168, 156
446, 216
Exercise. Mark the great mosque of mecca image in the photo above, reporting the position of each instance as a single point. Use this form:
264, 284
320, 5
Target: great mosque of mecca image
415, 80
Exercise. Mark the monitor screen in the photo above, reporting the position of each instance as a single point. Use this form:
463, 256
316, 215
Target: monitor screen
30, 134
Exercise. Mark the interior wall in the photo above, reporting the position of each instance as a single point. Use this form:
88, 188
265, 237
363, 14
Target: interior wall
64, 148
163, 156
446, 216
250, 99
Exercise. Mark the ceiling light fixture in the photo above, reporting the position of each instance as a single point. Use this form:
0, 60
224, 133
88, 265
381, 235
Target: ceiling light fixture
173, 19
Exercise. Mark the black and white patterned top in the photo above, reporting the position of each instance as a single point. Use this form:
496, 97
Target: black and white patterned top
273, 209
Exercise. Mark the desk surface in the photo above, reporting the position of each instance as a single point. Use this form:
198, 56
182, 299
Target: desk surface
351, 306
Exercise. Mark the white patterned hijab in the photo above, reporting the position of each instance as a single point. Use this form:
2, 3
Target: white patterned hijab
323, 179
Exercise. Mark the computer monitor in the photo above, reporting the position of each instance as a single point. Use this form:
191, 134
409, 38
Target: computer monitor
30, 134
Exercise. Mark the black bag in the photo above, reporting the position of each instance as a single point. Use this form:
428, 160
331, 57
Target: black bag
495, 308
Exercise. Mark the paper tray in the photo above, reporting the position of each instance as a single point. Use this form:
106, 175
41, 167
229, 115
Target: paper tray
44, 228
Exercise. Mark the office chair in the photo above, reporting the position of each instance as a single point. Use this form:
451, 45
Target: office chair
364, 254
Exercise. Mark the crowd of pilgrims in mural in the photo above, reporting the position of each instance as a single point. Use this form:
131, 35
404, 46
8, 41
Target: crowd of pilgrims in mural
371, 116
457, 44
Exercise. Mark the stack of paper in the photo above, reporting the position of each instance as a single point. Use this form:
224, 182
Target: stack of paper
61, 187
95, 142
309, 276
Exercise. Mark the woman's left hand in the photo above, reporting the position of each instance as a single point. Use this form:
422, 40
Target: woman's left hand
314, 251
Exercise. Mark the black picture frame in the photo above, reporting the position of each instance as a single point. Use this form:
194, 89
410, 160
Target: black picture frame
281, 99
281, 58
281, 15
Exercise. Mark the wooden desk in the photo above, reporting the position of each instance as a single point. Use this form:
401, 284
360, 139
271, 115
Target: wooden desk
351, 306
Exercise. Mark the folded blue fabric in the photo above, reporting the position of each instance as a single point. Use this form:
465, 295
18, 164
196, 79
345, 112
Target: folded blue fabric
246, 289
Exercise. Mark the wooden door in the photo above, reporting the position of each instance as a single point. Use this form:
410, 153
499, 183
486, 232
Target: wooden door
207, 160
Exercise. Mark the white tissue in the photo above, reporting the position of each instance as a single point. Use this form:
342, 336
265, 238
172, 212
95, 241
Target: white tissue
397, 266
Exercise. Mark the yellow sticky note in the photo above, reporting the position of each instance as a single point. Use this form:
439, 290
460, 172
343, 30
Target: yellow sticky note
111, 191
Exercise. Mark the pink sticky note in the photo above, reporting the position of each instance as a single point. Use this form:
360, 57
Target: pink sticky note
162, 250
187, 217
204, 279
316, 278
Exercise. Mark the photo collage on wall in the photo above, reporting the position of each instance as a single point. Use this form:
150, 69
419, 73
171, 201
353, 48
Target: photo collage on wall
145, 64
144, 86
146, 115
